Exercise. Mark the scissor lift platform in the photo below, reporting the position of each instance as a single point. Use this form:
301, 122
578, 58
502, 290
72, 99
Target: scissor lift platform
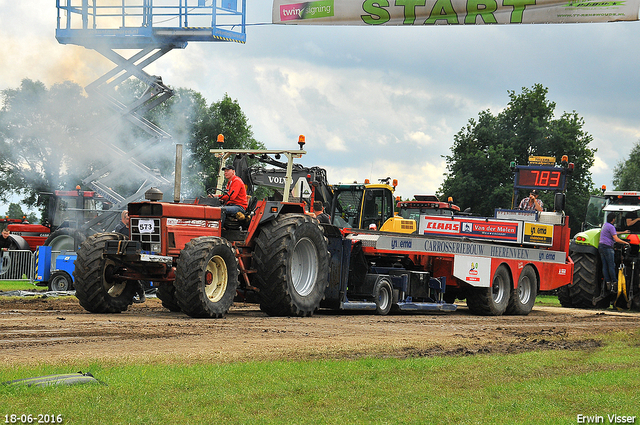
139, 24
151, 29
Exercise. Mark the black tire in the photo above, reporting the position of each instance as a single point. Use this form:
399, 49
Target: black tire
524, 296
587, 278
383, 296
96, 289
206, 277
292, 262
65, 239
492, 301
563, 296
167, 294
60, 281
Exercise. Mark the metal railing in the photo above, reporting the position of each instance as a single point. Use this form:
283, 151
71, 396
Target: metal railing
17, 265
109, 14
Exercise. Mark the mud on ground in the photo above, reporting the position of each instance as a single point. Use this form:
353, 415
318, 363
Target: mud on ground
35, 330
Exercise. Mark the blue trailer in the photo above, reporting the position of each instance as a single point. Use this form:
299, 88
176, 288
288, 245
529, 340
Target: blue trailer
56, 274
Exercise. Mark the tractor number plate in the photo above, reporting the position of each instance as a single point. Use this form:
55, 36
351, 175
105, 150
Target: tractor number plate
145, 226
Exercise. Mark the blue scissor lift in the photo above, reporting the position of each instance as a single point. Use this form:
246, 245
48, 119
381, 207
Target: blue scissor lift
150, 29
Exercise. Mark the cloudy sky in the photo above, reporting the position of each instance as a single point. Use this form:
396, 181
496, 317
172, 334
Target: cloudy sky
372, 101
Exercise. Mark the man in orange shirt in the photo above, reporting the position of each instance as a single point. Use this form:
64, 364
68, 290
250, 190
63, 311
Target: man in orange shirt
235, 198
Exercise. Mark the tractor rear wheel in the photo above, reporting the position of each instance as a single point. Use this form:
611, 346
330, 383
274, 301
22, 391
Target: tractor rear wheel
206, 277
524, 296
587, 274
96, 287
167, 294
65, 239
492, 301
292, 262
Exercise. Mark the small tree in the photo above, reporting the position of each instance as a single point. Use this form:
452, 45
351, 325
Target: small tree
626, 174
15, 211
224, 117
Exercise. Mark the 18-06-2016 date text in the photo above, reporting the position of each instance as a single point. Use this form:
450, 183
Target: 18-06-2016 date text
43, 418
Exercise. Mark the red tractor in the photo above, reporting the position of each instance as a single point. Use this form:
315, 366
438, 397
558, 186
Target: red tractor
69, 210
278, 249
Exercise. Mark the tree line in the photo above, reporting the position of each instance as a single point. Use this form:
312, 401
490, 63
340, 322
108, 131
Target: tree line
45, 132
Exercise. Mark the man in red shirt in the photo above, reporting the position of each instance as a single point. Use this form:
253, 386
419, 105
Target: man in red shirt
235, 200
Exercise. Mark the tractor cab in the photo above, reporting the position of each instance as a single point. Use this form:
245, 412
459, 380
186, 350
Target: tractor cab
626, 204
73, 208
362, 206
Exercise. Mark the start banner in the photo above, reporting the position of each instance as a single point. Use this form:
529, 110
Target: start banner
451, 12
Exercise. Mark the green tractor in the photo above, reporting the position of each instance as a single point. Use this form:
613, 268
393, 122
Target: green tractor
588, 289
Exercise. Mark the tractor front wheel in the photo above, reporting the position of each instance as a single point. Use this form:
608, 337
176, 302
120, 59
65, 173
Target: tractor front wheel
97, 288
206, 277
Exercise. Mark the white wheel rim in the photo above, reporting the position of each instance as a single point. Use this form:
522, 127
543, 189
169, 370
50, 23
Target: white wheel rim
304, 266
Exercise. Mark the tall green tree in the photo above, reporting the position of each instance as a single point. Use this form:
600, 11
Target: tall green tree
223, 117
626, 174
478, 173
15, 211
39, 131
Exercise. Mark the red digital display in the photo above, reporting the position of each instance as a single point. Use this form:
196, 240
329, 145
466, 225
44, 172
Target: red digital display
542, 179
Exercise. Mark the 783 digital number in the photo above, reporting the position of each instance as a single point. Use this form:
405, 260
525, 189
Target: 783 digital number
33, 419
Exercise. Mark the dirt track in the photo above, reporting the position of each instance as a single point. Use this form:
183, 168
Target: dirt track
57, 329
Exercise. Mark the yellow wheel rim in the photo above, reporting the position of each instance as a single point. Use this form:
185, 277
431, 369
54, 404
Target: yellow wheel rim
215, 278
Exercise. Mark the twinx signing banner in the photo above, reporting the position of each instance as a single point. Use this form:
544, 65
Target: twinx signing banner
451, 12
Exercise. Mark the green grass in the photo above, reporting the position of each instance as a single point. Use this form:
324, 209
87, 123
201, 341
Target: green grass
547, 300
19, 285
545, 387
